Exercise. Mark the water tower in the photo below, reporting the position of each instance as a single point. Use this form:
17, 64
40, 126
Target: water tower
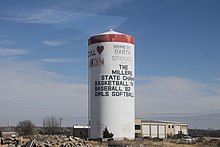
111, 85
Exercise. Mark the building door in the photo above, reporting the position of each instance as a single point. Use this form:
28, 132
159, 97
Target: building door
146, 130
177, 129
154, 131
184, 130
162, 133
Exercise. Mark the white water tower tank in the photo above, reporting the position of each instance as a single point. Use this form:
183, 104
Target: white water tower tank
111, 85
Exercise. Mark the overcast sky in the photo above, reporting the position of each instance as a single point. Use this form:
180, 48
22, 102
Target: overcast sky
43, 58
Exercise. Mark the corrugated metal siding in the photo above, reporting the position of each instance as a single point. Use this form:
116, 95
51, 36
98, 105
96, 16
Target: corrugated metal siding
162, 131
146, 130
177, 129
154, 132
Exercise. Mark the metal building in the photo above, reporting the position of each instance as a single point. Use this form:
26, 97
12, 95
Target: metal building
111, 84
159, 129
80, 131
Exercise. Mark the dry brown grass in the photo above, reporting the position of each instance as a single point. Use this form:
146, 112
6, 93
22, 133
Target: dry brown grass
143, 143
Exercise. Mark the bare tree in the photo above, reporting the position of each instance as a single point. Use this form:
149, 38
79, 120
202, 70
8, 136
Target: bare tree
26, 127
51, 125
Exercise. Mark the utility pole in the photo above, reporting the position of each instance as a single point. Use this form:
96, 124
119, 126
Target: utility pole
60, 125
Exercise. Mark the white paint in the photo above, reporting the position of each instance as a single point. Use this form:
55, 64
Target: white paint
106, 110
81, 127
154, 132
111, 31
177, 129
184, 130
162, 131
146, 130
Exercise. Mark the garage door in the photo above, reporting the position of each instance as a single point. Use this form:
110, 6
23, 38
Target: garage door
153, 131
146, 130
177, 129
162, 132
184, 130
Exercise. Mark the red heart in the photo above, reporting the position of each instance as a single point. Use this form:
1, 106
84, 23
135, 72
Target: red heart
100, 49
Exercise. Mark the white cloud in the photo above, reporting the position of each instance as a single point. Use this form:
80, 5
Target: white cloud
12, 51
217, 79
60, 12
45, 16
86, 6
41, 16
35, 92
64, 18
167, 95
60, 60
78, 20
53, 42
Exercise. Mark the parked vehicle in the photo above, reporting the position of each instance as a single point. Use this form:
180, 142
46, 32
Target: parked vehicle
188, 140
8, 137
